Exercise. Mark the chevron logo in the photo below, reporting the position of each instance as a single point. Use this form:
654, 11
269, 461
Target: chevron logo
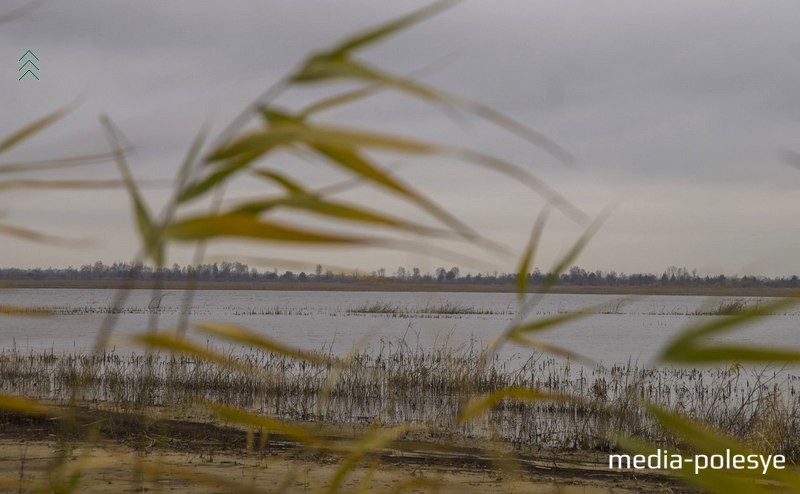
28, 57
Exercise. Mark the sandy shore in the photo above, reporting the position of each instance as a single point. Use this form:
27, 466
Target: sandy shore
131, 454
115, 468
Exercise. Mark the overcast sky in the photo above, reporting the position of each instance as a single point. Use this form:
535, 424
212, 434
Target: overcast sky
680, 109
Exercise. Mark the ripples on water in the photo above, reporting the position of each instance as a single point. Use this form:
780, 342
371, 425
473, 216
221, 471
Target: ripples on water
336, 321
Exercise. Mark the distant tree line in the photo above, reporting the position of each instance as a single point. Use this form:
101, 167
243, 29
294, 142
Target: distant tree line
237, 271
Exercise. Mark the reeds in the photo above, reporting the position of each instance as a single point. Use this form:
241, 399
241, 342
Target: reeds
396, 384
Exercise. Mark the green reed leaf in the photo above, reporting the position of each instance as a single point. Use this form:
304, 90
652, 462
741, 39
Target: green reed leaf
575, 250
703, 439
32, 129
177, 344
358, 164
305, 435
380, 32
484, 404
286, 133
258, 142
187, 167
289, 185
245, 336
711, 481
551, 322
59, 184
36, 236
689, 346
529, 253
331, 209
245, 226
340, 99
144, 221
376, 438
10, 310
321, 68
545, 347
196, 477
200, 186
28, 166
19, 404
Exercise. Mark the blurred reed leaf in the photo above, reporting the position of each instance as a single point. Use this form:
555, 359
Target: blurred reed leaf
711, 481
691, 346
29, 166
336, 65
701, 438
196, 477
10, 310
302, 434
144, 220
340, 99
24, 405
374, 439
528, 254
36, 236
484, 404
59, 184
545, 347
246, 226
378, 33
286, 130
177, 344
245, 336
196, 188
568, 259
332, 209
32, 129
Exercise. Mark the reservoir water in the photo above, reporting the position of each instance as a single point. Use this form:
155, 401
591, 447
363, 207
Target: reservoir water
617, 329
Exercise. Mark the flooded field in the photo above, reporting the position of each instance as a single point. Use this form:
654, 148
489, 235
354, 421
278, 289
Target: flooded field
411, 358
617, 331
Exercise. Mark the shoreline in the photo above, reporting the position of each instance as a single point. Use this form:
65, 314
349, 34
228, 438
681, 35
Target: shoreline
193, 453
377, 286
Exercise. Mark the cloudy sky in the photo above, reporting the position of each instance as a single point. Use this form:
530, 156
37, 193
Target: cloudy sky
679, 112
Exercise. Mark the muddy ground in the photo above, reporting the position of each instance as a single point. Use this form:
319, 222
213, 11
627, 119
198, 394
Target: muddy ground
125, 452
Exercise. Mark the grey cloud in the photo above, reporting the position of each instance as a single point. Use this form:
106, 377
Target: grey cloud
691, 94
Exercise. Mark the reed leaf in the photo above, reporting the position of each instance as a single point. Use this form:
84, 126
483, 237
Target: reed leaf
378, 33
689, 345
177, 344
32, 129
10, 310
701, 438
36, 236
30, 166
528, 254
144, 221
59, 184
711, 481
340, 99
331, 209
19, 404
245, 226
303, 435
197, 188
245, 336
484, 404
325, 68
375, 439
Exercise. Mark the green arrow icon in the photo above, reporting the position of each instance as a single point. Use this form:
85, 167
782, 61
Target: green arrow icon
26, 63
26, 73
26, 54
